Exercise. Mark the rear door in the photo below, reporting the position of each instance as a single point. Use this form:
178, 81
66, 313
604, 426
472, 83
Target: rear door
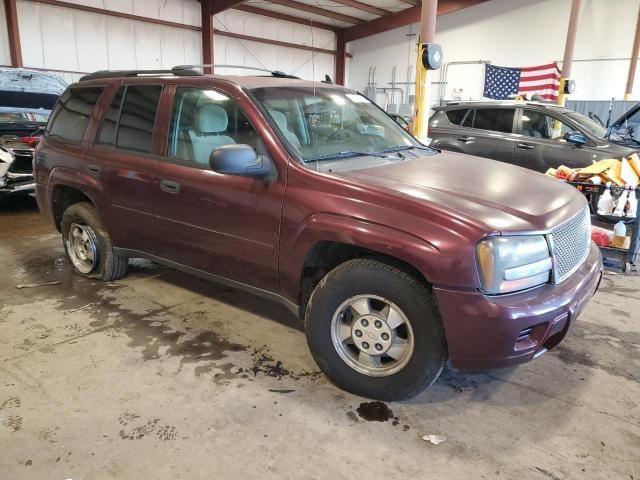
224, 225
122, 159
541, 145
444, 128
488, 132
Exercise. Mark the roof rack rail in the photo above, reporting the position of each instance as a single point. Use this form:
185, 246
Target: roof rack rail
274, 73
177, 71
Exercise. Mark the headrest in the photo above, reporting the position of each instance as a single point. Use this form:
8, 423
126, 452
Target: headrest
212, 119
280, 118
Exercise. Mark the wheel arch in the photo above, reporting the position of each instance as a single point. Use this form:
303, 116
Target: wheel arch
325, 241
68, 186
63, 196
326, 255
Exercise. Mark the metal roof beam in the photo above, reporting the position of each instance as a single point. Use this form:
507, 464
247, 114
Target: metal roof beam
316, 10
403, 18
285, 17
363, 6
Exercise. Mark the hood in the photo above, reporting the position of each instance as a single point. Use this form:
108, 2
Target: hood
25, 80
495, 196
613, 149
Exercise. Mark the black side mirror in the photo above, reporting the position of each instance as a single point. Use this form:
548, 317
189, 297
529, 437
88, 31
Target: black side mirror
241, 160
575, 137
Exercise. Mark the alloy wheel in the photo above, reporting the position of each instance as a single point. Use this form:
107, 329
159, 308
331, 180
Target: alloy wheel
372, 335
82, 248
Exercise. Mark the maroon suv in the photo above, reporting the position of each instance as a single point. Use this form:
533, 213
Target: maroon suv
396, 256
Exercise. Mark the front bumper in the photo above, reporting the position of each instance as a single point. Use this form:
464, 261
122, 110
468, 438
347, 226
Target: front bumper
17, 183
486, 332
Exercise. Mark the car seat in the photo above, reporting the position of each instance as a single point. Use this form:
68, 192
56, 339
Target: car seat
207, 135
281, 120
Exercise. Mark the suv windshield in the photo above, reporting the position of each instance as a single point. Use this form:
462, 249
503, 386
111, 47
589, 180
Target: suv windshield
331, 123
593, 128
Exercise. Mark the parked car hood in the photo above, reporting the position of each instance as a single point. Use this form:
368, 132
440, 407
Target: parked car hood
495, 196
632, 111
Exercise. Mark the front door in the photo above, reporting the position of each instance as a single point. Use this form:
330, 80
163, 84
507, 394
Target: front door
221, 224
542, 146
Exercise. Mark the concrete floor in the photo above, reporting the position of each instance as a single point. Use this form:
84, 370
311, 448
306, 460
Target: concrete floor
162, 375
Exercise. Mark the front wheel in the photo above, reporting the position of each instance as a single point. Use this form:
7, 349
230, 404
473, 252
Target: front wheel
375, 331
88, 244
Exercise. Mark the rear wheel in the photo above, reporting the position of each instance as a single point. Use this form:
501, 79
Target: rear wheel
88, 244
375, 331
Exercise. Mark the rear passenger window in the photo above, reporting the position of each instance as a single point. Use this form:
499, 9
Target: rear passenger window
456, 116
107, 134
495, 119
71, 114
137, 117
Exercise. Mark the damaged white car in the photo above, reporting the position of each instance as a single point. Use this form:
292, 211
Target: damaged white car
26, 100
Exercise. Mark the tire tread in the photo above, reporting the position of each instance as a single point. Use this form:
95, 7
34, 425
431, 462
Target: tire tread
420, 292
112, 267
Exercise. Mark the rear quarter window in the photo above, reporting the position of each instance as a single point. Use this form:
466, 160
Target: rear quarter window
456, 116
71, 114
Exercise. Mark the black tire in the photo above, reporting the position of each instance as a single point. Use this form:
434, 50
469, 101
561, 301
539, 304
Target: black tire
370, 277
109, 266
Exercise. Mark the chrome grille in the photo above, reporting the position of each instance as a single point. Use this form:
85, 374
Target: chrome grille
570, 243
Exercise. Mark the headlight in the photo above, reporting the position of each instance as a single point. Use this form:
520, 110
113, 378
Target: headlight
509, 264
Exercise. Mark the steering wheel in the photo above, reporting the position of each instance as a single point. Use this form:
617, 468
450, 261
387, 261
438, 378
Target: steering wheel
340, 134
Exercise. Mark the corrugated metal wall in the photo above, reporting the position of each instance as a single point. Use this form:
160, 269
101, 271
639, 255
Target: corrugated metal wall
293, 61
65, 39
59, 38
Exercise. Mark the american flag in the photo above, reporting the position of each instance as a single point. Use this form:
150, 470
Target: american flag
504, 82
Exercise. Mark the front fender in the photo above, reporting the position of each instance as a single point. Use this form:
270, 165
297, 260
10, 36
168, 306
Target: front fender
437, 268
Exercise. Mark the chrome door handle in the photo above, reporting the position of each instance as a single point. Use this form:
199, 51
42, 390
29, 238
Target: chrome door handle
466, 139
525, 146
93, 169
169, 186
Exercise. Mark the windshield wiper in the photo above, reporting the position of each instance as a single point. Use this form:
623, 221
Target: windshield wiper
349, 154
401, 148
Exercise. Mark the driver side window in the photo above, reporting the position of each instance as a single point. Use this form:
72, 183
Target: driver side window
203, 120
536, 124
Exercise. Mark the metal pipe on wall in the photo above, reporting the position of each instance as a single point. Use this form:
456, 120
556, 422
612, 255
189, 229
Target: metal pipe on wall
444, 72
574, 17
634, 60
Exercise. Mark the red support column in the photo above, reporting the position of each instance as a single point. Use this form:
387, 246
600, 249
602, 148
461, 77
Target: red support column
341, 54
14, 33
569, 46
207, 35
634, 61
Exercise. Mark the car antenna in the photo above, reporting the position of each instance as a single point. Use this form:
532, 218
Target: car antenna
313, 74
